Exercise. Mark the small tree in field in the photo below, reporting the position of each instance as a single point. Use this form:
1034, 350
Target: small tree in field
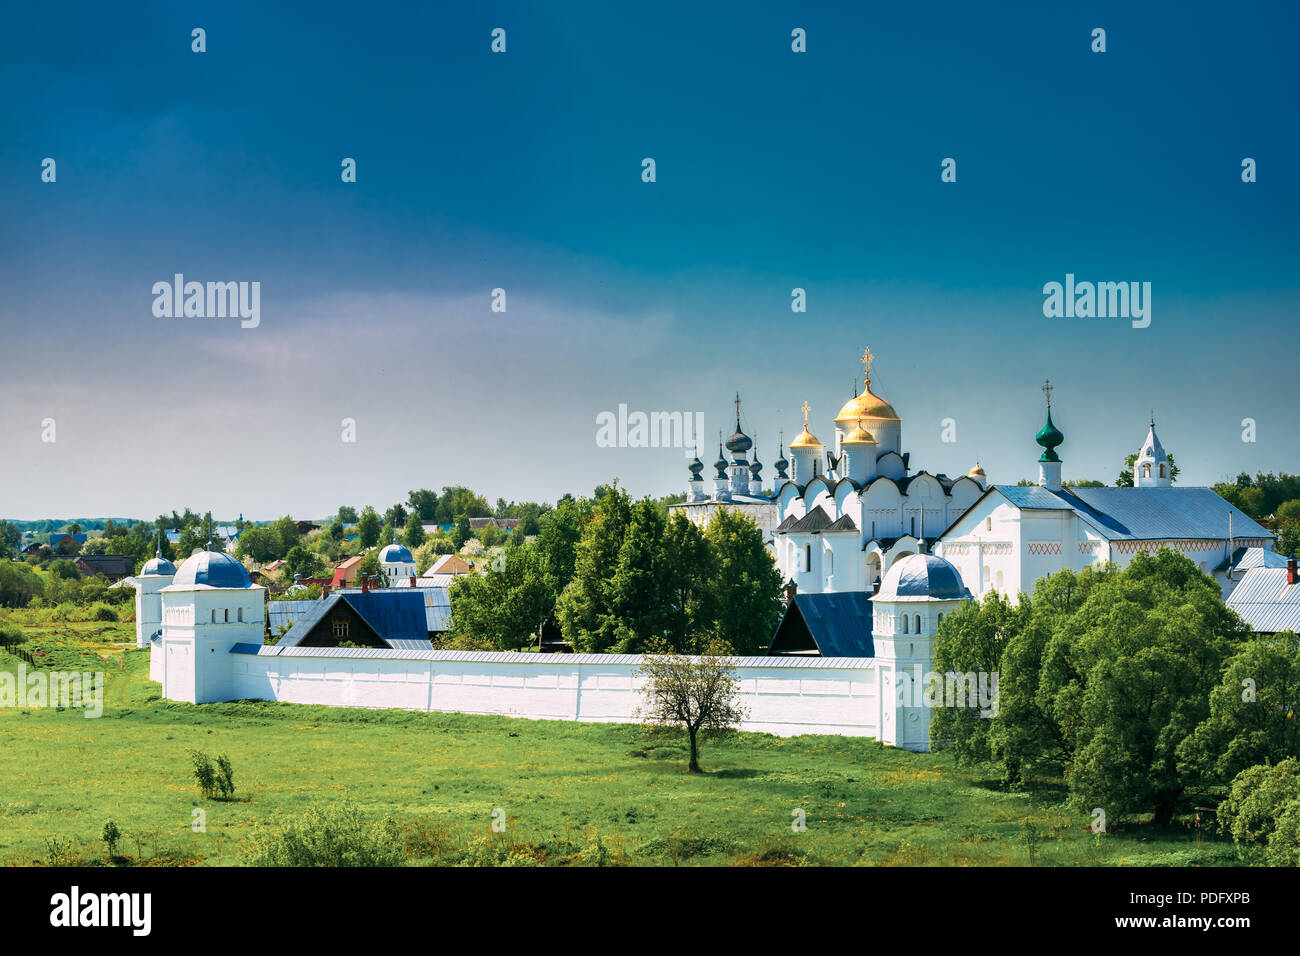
697, 694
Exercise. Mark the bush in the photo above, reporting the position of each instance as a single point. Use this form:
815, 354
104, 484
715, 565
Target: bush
64, 568
19, 584
329, 836
100, 611
11, 636
213, 781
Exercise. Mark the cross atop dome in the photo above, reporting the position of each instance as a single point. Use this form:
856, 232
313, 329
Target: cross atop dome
1047, 390
866, 365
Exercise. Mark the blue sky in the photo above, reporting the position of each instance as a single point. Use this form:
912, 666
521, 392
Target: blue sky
522, 171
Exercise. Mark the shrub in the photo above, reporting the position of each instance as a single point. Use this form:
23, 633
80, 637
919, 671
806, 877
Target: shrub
100, 611
225, 779
204, 774
329, 836
11, 636
110, 837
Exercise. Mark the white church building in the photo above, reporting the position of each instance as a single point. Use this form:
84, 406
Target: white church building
1014, 535
848, 513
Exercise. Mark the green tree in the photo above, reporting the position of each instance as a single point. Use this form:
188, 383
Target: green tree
368, 527
698, 694
1253, 711
347, 514
456, 500
301, 561
1129, 675
1262, 813
286, 533
971, 639
557, 541
585, 609
424, 503
19, 583
64, 568
257, 543
636, 589
371, 568
686, 587
506, 603
413, 534
461, 533
745, 584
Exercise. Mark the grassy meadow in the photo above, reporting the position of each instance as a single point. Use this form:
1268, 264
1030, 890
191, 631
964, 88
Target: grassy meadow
570, 793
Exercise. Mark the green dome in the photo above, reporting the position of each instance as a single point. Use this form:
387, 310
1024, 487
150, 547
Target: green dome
1049, 437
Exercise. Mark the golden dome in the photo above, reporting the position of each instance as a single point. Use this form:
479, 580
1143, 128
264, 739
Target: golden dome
805, 439
976, 472
867, 405
858, 436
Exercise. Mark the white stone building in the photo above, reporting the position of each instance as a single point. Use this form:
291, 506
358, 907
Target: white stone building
1014, 535
848, 514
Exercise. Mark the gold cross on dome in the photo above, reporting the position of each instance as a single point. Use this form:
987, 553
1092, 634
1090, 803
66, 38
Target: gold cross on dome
806, 408
1047, 390
866, 363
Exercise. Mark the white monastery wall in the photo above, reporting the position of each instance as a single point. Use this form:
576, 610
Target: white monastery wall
784, 696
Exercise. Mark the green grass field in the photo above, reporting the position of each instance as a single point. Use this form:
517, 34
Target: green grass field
571, 793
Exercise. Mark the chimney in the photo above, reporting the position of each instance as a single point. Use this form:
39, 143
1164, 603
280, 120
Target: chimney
365, 584
412, 580
1290, 571
324, 591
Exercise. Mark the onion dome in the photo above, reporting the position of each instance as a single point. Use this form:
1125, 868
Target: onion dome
858, 436
696, 466
739, 442
976, 472
782, 463
755, 468
721, 464
211, 569
867, 405
805, 439
921, 577
1049, 436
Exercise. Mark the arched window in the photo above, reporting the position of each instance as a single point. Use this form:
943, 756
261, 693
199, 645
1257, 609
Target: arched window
904, 623
918, 624
988, 523
1146, 471
241, 615
1162, 469
940, 620
227, 613
214, 615
807, 554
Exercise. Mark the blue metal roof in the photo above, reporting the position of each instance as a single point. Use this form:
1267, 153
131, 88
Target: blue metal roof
1266, 602
921, 577
1142, 514
397, 616
213, 569
840, 622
